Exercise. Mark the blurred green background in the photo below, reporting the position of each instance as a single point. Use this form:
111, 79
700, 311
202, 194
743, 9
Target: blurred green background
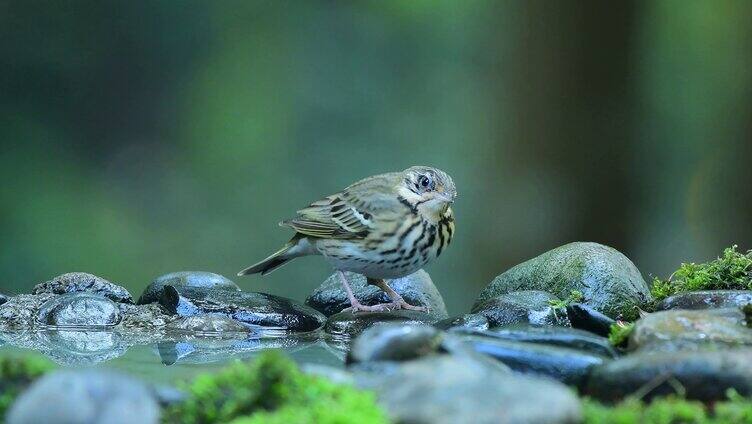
140, 138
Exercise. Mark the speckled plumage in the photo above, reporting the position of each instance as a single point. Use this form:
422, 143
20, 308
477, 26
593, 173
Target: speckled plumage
385, 226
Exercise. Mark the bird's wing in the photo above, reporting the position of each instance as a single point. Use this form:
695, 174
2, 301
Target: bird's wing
333, 217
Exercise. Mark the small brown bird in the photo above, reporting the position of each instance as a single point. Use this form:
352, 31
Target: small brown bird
385, 226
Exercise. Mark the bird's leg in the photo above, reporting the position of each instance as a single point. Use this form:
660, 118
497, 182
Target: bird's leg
397, 301
355, 305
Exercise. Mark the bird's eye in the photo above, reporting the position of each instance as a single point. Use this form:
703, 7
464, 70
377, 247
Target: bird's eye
424, 181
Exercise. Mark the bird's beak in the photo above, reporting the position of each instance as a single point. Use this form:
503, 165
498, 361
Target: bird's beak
446, 197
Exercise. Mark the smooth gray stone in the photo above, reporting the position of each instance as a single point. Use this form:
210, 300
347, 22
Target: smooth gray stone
185, 279
79, 309
551, 335
349, 325
395, 342
85, 397
707, 299
417, 289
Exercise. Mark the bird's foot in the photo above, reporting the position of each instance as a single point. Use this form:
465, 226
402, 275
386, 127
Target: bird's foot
381, 307
401, 304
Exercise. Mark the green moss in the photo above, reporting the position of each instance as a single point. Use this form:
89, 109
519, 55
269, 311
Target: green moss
619, 333
271, 389
731, 271
669, 410
575, 296
17, 372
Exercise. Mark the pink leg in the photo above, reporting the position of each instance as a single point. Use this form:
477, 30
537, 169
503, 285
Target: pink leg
397, 301
355, 304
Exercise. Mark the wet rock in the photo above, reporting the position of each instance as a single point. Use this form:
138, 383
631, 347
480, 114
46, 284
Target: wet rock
3, 298
701, 375
255, 309
417, 289
466, 321
586, 318
79, 309
554, 336
607, 279
207, 324
690, 330
395, 342
528, 306
186, 279
86, 397
349, 325
569, 366
707, 299
449, 389
144, 318
74, 282
20, 312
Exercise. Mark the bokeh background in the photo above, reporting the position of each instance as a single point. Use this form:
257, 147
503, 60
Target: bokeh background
140, 138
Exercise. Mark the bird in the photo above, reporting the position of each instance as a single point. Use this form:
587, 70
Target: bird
383, 227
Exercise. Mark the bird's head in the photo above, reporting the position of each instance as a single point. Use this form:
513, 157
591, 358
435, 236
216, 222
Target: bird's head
428, 190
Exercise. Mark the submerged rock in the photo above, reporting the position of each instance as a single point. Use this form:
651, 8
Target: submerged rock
466, 321
20, 312
450, 389
87, 397
186, 279
686, 329
554, 336
74, 282
256, 309
395, 342
607, 279
417, 289
528, 306
349, 325
586, 318
569, 366
701, 375
707, 299
79, 309
77, 348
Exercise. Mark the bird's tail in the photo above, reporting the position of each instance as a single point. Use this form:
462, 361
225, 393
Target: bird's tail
274, 261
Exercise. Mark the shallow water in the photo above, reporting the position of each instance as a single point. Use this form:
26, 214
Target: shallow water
166, 362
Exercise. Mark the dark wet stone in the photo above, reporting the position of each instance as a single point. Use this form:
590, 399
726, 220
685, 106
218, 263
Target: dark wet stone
529, 306
207, 324
466, 321
20, 312
417, 289
349, 325
186, 279
707, 299
701, 375
690, 330
79, 309
586, 318
569, 366
449, 389
554, 336
607, 279
395, 342
85, 396
74, 282
3, 298
256, 309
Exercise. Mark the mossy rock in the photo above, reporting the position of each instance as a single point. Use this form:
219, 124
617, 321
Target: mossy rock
607, 280
272, 389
